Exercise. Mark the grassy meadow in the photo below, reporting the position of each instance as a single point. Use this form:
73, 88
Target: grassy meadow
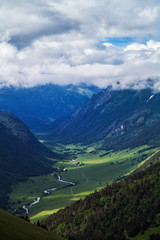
89, 168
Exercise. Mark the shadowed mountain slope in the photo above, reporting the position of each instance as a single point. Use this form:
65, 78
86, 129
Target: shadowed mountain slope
21, 154
41, 105
117, 119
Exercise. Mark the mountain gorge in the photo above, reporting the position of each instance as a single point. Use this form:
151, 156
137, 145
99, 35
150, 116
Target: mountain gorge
117, 122
116, 119
129, 208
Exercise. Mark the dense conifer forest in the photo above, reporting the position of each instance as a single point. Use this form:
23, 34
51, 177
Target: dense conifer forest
116, 212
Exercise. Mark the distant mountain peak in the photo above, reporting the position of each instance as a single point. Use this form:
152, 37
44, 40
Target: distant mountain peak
41, 105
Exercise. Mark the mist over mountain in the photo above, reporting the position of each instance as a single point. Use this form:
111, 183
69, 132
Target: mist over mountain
117, 119
41, 105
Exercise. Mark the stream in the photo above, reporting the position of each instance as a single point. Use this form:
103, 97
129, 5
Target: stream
46, 192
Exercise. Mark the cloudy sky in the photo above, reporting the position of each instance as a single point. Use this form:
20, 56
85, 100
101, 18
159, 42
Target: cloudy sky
105, 42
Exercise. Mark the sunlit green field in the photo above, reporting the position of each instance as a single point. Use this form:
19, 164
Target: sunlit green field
96, 170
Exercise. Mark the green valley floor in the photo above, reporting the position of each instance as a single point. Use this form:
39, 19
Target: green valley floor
84, 168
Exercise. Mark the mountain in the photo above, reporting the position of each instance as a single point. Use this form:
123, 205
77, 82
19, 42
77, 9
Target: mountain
21, 154
14, 228
116, 119
120, 211
41, 105
83, 89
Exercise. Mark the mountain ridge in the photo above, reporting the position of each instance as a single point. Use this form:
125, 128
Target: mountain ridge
41, 105
109, 117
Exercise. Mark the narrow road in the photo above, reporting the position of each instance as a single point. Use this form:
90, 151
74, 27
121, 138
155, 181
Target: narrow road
73, 193
82, 184
84, 177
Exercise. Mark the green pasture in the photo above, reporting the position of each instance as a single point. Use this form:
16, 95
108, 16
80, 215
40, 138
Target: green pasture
98, 168
26, 192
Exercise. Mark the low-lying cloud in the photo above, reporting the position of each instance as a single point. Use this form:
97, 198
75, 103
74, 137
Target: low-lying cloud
65, 42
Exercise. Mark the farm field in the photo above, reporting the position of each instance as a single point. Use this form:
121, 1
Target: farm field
90, 169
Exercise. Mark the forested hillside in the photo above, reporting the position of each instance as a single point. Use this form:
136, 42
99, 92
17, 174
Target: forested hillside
116, 212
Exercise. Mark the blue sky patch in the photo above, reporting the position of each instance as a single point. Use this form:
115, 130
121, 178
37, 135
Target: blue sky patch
124, 41
119, 41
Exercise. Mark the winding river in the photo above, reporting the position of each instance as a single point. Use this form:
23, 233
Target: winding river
46, 192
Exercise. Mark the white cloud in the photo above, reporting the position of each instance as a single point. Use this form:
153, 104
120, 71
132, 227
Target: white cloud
7, 52
61, 41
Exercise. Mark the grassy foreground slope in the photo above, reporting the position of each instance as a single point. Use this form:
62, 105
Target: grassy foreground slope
13, 228
118, 212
